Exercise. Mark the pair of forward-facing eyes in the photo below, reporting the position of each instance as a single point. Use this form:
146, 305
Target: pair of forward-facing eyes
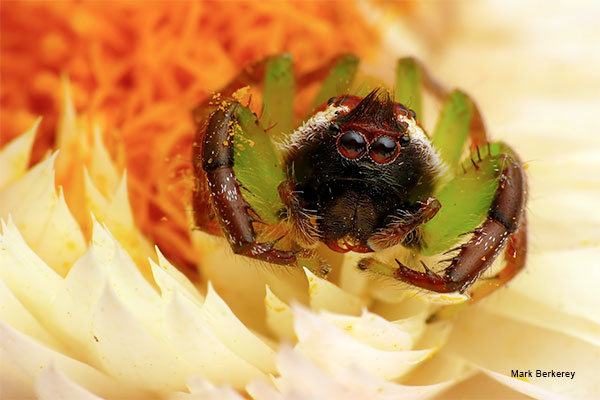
383, 149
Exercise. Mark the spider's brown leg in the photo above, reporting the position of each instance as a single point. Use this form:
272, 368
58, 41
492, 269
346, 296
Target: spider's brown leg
232, 210
395, 232
516, 252
475, 256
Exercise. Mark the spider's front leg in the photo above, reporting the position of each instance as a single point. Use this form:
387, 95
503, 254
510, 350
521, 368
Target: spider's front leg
504, 219
395, 233
233, 212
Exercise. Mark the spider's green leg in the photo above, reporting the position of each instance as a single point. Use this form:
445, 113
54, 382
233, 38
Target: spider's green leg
256, 164
503, 219
407, 90
254, 73
233, 142
339, 79
278, 97
495, 216
460, 119
465, 200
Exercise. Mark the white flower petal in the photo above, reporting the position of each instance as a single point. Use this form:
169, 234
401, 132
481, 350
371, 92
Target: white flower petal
26, 275
14, 157
129, 351
37, 210
24, 358
169, 279
280, 318
14, 314
102, 170
218, 316
324, 295
537, 311
202, 389
565, 280
501, 344
301, 379
199, 350
332, 349
527, 388
52, 384
372, 330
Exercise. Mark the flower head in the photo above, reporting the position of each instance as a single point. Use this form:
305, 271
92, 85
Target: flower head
90, 308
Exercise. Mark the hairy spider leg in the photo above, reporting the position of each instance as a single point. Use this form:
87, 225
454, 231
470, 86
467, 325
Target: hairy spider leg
233, 211
396, 232
236, 161
492, 188
278, 92
487, 242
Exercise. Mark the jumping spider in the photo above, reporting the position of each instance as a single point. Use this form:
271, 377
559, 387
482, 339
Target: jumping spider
358, 174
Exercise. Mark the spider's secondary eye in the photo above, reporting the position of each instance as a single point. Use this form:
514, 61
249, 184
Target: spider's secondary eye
352, 144
404, 140
383, 150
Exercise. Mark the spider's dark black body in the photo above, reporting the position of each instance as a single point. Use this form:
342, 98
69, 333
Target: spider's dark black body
353, 198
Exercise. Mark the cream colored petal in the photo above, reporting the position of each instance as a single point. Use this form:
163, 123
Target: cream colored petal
563, 280
101, 167
25, 274
202, 389
502, 344
324, 295
125, 276
26, 358
14, 314
568, 218
14, 157
353, 280
525, 387
331, 349
220, 319
73, 308
129, 351
280, 318
52, 384
168, 278
199, 350
372, 330
95, 200
300, 379
537, 311
43, 217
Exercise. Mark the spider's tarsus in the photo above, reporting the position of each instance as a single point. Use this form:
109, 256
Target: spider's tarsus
271, 127
474, 164
452, 250
429, 272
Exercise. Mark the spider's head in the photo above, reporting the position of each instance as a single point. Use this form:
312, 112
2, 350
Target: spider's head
357, 163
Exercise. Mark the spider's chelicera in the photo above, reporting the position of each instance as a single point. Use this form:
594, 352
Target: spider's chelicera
359, 174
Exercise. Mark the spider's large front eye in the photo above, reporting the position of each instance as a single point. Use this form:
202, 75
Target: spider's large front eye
352, 144
383, 150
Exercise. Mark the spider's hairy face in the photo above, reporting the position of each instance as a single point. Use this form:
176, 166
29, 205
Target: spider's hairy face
359, 164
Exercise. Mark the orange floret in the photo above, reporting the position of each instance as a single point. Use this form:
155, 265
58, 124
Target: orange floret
141, 67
